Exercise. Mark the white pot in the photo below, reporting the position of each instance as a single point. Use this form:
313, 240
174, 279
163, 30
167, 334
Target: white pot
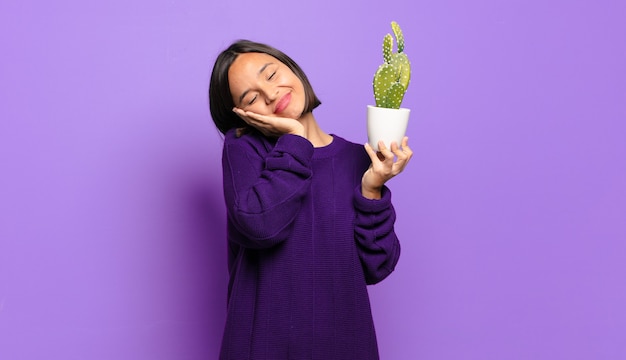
387, 125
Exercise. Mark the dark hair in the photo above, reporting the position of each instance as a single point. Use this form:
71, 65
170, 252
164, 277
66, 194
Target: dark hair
220, 99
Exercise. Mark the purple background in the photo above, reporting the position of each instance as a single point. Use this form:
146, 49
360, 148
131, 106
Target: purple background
512, 214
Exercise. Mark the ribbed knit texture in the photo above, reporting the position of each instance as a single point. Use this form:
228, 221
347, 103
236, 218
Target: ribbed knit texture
303, 244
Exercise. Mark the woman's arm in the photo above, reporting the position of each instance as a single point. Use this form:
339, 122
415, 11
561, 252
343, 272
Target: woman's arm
377, 244
264, 190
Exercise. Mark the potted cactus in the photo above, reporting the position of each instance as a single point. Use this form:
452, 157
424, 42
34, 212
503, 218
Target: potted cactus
387, 121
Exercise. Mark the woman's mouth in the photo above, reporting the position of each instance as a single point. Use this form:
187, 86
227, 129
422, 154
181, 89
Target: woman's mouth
282, 103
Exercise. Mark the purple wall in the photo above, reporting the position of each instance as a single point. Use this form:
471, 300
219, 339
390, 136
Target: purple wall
512, 214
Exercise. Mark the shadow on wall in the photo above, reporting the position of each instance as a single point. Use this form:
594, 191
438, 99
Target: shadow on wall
173, 193
206, 264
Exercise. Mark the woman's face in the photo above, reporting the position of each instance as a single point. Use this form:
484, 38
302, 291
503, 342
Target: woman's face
262, 84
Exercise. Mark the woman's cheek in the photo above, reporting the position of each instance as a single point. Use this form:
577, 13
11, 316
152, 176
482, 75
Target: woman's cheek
261, 109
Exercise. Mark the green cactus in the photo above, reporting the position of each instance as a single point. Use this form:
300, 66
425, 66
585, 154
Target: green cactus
392, 77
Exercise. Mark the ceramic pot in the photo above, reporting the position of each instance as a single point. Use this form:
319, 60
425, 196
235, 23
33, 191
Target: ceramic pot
387, 125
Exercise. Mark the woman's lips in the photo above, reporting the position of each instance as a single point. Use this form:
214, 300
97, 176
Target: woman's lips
282, 103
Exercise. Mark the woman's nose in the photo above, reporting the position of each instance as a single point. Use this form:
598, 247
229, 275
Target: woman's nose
271, 95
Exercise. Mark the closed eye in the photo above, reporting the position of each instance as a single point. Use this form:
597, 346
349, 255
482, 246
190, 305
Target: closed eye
252, 100
271, 76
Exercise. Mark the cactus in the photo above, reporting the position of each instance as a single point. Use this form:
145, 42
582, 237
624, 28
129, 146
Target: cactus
392, 77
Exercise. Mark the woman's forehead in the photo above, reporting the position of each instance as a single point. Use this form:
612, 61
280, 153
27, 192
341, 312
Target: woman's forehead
252, 60
249, 67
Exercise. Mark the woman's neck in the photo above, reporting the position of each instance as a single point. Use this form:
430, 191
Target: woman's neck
313, 132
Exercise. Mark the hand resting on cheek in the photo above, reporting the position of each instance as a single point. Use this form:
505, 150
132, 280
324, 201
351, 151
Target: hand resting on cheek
272, 126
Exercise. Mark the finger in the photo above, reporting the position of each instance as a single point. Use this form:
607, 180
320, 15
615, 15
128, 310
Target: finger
379, 155
255, 115
246, 114
241, 114
375, 156
370, 151
400, 164
396, 150
405, 150
238, 111
250, 115
405, 142
384, 151
262, 120
258, 120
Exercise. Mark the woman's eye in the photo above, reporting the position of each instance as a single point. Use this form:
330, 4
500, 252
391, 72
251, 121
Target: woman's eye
271, 76
252, 100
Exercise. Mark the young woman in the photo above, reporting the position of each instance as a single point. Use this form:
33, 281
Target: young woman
309, 219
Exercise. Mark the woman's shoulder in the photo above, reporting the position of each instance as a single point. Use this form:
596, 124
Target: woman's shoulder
352, 155
247, 138
349, 152
348, 145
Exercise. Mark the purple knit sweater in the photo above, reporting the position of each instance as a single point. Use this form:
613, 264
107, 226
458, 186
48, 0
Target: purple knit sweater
303, 243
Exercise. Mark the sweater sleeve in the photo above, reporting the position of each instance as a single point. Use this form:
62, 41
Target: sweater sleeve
264, 190
377, 244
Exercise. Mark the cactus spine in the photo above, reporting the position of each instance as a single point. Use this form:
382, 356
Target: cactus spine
392, 77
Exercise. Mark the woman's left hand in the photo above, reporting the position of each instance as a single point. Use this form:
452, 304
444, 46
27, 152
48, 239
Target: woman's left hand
384, 166
271, 126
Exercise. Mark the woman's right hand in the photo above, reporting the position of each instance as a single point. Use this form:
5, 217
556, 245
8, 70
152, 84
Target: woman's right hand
384, 167
271, 126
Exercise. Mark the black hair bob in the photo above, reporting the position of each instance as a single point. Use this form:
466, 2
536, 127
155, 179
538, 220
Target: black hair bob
220, 99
